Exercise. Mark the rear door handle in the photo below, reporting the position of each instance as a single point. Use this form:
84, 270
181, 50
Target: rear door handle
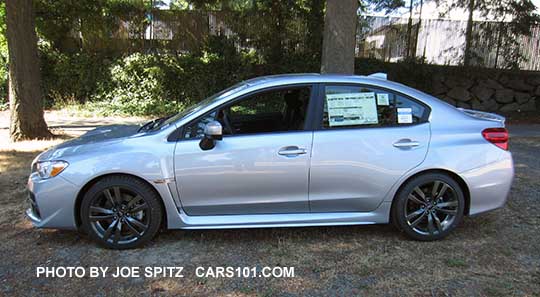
292, 151
406, 143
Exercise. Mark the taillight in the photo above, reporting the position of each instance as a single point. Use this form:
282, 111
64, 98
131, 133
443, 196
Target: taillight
497, 136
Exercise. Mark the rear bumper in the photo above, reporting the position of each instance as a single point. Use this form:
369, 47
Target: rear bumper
489, 185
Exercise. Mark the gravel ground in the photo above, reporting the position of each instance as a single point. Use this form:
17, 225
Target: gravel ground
495, 254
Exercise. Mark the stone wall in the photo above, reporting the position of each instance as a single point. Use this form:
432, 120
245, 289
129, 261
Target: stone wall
477, 88
495, 91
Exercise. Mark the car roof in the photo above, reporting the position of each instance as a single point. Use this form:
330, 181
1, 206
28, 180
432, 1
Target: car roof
299, 78
304, 78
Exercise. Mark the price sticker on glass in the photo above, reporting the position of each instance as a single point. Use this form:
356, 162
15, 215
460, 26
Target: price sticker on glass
347, 109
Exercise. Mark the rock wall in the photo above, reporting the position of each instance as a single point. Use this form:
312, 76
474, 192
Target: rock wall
468, 87
488, 90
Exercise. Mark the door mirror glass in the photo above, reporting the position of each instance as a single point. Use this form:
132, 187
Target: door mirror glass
212, 132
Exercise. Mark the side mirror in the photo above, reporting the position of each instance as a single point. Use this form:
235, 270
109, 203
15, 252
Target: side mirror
212, 132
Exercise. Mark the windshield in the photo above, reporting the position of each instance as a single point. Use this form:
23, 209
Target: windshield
197, 106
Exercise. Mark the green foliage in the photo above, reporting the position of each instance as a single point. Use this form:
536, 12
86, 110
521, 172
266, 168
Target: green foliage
85, 60
70, 77
160, 84
142, 84
382, 5
89, 59
138, 85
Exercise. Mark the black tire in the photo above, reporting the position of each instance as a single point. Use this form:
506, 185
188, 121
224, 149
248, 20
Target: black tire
121, 212
430, 217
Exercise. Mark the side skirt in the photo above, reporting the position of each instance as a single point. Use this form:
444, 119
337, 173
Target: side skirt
380, 215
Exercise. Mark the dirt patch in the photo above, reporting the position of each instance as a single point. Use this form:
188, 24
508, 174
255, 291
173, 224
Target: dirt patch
63, 125
496, 254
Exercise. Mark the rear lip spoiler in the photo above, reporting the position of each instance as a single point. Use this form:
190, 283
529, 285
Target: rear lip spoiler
483, 115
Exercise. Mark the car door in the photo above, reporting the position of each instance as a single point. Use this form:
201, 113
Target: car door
367, 139
260, 166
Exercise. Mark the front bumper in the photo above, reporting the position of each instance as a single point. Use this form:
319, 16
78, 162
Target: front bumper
489, 185
52, 202
34, 217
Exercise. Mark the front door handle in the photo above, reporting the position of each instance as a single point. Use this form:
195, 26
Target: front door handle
406, 143
292, 151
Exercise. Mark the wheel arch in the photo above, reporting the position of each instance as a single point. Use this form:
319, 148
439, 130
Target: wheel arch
93, 181
453, 175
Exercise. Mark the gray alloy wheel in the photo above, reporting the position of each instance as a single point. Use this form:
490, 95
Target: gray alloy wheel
429, 206
121, 212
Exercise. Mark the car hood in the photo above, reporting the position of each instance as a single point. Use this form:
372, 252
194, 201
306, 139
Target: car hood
91, 140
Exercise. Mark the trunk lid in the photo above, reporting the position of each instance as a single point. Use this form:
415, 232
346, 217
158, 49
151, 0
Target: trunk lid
482, 115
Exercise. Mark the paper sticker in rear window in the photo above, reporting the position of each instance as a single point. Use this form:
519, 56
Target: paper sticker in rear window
382, 99
404, 116
348, 109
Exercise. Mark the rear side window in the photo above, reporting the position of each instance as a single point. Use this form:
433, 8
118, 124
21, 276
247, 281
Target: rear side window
354, 106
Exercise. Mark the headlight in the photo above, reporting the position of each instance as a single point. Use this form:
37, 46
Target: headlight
48, 169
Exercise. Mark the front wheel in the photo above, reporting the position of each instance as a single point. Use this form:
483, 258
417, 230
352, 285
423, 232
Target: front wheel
121, 212
429, 206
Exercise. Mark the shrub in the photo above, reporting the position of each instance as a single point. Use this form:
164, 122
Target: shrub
151, 84
158, 84
154, 84
163, 83
136, 87
71, 77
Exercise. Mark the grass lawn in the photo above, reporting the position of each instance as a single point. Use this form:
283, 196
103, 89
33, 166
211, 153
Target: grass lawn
495, 254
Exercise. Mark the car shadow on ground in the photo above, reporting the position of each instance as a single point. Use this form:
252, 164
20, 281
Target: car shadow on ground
257, 235
63, 238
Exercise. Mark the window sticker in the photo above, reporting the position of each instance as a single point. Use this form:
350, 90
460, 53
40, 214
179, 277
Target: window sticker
349, 109
382, 99
404, 116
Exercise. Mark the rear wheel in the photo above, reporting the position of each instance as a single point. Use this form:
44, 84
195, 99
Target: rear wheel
121, 212
429, 206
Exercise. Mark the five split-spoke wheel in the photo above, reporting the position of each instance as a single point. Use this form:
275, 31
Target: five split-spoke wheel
121, 212
428, 207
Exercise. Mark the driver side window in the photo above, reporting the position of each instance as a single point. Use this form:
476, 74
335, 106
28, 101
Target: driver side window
264, 112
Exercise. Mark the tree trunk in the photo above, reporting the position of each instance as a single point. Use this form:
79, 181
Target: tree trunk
468, 35
25, 104
409, 31
339, 38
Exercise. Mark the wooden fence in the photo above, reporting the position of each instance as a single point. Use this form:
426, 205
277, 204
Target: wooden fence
442, 42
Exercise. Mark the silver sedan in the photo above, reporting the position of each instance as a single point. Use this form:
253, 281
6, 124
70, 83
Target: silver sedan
280, 151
